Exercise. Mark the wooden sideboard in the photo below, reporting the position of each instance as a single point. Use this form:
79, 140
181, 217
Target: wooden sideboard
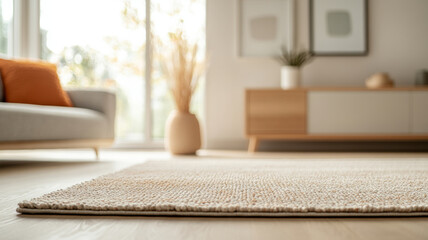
336, 114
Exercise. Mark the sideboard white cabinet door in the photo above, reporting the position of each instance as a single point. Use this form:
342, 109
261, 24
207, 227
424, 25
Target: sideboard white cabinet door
420, 112
359, 112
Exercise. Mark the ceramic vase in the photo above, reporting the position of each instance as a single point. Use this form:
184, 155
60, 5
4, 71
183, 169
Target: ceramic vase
290, 77
182, 133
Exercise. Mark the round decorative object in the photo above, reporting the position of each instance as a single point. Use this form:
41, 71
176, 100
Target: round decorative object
182, 133
379, 80
290, 77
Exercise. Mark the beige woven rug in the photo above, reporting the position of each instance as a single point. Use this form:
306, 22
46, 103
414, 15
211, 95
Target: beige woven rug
341, 187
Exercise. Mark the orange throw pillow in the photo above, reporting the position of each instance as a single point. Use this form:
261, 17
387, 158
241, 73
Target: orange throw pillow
33, 83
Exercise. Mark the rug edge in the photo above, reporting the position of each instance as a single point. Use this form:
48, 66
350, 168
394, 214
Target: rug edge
217, 214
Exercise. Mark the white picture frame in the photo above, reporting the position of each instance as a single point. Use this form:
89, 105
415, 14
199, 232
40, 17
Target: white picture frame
264, 27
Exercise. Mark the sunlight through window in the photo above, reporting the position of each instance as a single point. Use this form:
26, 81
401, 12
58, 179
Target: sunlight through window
106, 48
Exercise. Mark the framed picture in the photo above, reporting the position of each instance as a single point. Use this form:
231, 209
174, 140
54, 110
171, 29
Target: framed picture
339, 27
264, 27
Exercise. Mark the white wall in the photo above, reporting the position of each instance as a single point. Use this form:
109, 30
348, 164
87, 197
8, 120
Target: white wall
398, 44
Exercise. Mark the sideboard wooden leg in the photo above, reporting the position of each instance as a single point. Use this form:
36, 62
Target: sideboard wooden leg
254, 143
97, 153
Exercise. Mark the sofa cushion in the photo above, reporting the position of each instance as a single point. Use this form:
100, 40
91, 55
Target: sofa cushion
33, 83
1, 90
27, 122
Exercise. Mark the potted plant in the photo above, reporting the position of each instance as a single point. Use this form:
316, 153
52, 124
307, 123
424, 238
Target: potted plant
183, 70
291, 62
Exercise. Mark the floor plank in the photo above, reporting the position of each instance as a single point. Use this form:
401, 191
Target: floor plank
27, 174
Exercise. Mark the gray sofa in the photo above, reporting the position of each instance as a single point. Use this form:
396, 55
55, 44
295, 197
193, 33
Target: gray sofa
89, 124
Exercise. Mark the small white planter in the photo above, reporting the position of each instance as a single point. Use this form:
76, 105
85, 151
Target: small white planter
290, 77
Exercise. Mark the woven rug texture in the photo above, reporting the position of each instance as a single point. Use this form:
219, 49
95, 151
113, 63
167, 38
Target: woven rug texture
225, 187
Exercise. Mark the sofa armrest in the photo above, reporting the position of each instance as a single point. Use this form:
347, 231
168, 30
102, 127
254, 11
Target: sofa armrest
102, 101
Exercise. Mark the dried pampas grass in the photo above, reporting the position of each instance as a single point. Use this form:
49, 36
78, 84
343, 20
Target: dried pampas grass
183, 70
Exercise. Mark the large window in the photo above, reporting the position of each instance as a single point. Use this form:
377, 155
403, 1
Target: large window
6, 13
100, 44
104, 44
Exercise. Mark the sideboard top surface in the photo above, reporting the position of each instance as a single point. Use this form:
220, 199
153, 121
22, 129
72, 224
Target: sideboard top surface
400, 88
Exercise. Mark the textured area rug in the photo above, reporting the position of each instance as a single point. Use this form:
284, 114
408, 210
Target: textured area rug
249, 188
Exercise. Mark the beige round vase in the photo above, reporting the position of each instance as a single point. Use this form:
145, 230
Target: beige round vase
182, 133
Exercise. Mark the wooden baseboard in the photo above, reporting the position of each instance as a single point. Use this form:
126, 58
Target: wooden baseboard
55, 144
255, 139
338, 137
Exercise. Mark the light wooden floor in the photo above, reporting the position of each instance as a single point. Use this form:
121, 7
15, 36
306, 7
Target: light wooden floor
27, 174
